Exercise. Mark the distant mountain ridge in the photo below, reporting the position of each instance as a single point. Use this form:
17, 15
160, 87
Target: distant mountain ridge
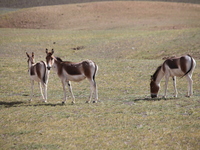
35, 3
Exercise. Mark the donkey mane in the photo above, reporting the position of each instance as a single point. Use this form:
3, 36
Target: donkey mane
59, 59
154, 76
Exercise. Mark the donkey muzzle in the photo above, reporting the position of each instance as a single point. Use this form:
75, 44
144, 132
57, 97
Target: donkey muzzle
48, 67
153, 95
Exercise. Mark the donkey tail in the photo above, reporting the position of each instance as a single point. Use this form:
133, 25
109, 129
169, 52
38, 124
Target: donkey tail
45, 76
95, 71
191, 67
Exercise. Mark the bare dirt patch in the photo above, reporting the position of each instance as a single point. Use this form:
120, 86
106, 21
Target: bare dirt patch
105, 15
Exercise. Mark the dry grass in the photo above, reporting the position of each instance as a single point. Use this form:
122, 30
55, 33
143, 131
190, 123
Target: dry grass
124, 118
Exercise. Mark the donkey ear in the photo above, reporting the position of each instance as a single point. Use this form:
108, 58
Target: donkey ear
27, 55
46, 50
151, 78
52, 51
33, 54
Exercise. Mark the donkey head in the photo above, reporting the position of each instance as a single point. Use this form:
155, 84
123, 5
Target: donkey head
31, 59
154, 84
154, 88
49, 59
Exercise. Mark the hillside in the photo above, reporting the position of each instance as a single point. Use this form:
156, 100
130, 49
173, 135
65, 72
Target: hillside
28, 3
105, 15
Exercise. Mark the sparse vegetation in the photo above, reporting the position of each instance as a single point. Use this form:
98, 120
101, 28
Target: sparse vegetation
125, 117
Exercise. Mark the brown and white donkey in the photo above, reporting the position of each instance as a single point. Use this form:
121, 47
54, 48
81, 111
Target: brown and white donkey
38, 72
172, 67
69, 71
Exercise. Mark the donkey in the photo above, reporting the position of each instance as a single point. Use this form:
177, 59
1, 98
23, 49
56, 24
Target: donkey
69, 71
172, 67
38, 72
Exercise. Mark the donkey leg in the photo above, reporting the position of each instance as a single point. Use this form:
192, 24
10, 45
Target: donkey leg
32, 87
95, 92
190, 84
41, 91
45, 92
166, 84
191, 87
64, 90
92, 89
174, 83
70, 90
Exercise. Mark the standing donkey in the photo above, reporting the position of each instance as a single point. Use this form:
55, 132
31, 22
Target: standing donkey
70, 71
172, 67
38, 72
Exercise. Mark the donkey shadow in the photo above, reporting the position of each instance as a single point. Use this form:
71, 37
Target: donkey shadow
154, 99
10, 104
25, 103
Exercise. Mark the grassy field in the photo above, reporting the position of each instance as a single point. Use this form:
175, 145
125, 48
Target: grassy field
125, 116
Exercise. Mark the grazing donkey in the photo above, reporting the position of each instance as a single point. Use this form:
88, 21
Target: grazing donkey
38, 72
70, 71
172, 67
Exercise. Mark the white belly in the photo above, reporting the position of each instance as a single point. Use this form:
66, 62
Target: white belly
75, 78
176, 72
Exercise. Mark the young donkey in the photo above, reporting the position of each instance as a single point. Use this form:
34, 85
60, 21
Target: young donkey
172, 67
38, 72
70, 71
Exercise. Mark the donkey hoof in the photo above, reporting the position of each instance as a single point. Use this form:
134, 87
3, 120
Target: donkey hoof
94, 101
87, 102
73, 102
63, 103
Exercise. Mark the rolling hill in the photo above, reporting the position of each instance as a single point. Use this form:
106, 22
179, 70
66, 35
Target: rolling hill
105, 15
